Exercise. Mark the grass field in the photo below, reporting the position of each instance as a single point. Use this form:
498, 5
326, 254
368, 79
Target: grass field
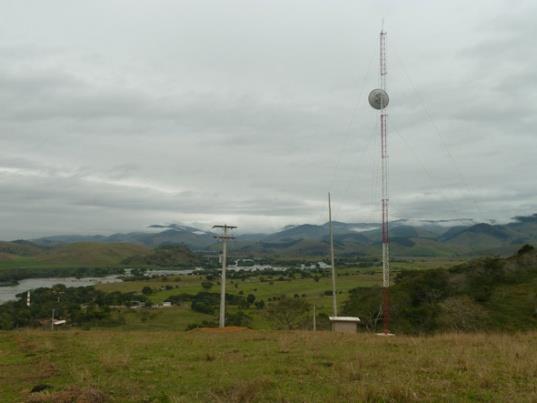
177, 318
251, 365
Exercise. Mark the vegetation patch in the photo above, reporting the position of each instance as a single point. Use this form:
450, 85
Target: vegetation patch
485, 294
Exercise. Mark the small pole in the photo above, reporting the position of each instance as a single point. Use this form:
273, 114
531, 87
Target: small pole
332, 259
28, 299
314, 318
52, 320
223, 288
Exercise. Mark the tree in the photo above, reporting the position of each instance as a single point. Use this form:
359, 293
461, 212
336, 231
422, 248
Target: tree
250, 299
147, 290
207, 284
202, 306
289, 313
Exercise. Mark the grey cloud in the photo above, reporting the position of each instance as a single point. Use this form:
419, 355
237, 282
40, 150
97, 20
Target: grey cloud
250, 114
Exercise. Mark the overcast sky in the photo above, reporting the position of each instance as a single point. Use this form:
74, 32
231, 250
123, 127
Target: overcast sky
119, 114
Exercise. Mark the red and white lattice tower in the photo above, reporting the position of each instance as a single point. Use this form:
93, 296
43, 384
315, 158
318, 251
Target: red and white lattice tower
378, 99
385, 194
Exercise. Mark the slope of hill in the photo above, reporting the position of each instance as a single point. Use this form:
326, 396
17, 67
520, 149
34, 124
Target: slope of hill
85, 254
484, 294
192, 237
91, 254
165, 256
10, 250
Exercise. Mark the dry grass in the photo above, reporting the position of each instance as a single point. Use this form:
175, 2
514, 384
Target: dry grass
70, 395
242, 391
217, 330
269, 366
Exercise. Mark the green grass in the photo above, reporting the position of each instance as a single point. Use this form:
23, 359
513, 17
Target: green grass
267, 366
173, 318
514, 306
177, 318
312, 290
425, 264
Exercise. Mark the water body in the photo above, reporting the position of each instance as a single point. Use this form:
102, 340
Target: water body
9, 293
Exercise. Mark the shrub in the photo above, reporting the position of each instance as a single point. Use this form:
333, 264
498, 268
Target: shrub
289, 313
207, 284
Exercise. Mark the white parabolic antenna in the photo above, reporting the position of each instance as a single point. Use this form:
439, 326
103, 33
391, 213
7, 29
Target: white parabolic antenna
379, 99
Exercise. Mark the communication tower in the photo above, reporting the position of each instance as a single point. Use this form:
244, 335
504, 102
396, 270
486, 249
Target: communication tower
378, 99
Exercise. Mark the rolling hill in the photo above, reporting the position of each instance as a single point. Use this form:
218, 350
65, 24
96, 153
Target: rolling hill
498, 294
192, 237
168, 256
81, 254
410, 238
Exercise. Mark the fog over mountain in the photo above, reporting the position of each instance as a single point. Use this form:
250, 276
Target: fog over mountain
116, 115
408, 239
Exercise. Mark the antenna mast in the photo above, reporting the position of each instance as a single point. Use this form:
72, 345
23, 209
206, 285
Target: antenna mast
378, 99
385, 194
224, 238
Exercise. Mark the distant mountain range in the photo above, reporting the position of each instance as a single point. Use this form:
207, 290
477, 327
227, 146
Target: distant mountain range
409, 238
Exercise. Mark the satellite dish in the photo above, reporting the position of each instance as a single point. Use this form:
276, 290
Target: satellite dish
378, 98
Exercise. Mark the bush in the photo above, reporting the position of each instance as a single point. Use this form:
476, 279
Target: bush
202, 307
238, 319
289, 313
207, 284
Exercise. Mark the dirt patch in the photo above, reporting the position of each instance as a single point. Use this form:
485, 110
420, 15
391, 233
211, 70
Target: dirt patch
72, 395
217, 330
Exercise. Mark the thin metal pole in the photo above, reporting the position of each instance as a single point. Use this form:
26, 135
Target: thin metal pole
332, 260
52, 320
223, 281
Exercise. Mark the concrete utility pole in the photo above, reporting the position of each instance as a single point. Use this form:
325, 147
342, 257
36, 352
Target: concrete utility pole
332, 260
224, 237
52, 320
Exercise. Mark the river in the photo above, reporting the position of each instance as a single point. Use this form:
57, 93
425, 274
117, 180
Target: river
8, 293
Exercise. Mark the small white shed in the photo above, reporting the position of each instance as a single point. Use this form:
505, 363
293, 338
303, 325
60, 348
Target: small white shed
344, 324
